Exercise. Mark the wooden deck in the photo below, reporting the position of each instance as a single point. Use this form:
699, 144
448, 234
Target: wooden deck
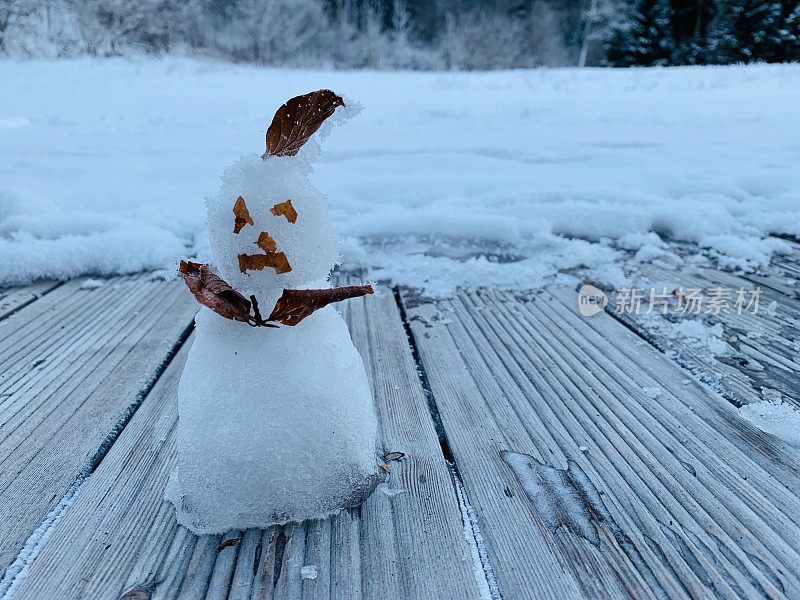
538, 462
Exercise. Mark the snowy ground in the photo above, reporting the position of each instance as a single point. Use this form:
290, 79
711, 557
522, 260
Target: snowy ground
501, 178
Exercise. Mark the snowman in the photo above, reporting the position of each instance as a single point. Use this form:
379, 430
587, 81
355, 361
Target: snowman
276, 417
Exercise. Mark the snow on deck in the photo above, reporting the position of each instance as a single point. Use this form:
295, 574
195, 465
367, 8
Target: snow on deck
446, 179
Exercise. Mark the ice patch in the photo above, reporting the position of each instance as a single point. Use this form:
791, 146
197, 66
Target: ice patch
387, 490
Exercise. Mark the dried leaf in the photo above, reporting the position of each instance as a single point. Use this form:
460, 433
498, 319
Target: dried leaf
297, 120
295, 305
241, 214
229, 542
265, 242
258, 262
212, 291
286, 209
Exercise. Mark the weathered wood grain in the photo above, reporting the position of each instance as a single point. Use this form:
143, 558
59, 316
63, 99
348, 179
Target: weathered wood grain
13, 299
119, 516
480, 408
737, 487
763, 355
73, 366
120, 536
683, 497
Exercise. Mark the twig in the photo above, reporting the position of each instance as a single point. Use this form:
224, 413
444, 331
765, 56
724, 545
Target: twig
256, 320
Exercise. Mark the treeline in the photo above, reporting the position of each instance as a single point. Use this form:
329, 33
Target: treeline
688, 32
410, 34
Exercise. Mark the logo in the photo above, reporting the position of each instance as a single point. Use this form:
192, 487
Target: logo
591, 300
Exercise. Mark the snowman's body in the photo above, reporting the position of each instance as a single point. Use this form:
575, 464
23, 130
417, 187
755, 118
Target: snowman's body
276, 424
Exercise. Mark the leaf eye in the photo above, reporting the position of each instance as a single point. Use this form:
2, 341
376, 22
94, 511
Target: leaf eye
286, 209
241, 215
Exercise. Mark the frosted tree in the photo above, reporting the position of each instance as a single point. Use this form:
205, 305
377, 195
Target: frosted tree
690, 22
790, 31
643, 35
746, 30
113, 27
543, 41
277, 31
13, 13
482, 39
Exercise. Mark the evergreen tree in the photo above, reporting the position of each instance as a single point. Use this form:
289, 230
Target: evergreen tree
746, 31
690, 21
643, 36
789, 32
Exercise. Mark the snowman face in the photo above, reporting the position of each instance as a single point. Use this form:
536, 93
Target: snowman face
269, 257
269, 227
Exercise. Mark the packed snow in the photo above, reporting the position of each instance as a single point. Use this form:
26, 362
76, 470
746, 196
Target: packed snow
693, 333
278, 422
776, 417
92, 284
445, 179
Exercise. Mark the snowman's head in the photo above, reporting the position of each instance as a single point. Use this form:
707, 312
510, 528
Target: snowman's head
268, 226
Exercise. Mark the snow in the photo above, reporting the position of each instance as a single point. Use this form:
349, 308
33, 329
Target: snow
652, 392
92, 284
481, 567
693, 333
776, 417
446, 179
309, 572
310, 243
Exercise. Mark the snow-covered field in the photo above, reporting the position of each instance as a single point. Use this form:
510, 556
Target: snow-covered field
501, 178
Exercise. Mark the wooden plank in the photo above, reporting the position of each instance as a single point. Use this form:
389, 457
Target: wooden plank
119, 514
425, 555
13, 299
486, 420
763, 347
119, 535
75, 365
689, 432
683, 493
